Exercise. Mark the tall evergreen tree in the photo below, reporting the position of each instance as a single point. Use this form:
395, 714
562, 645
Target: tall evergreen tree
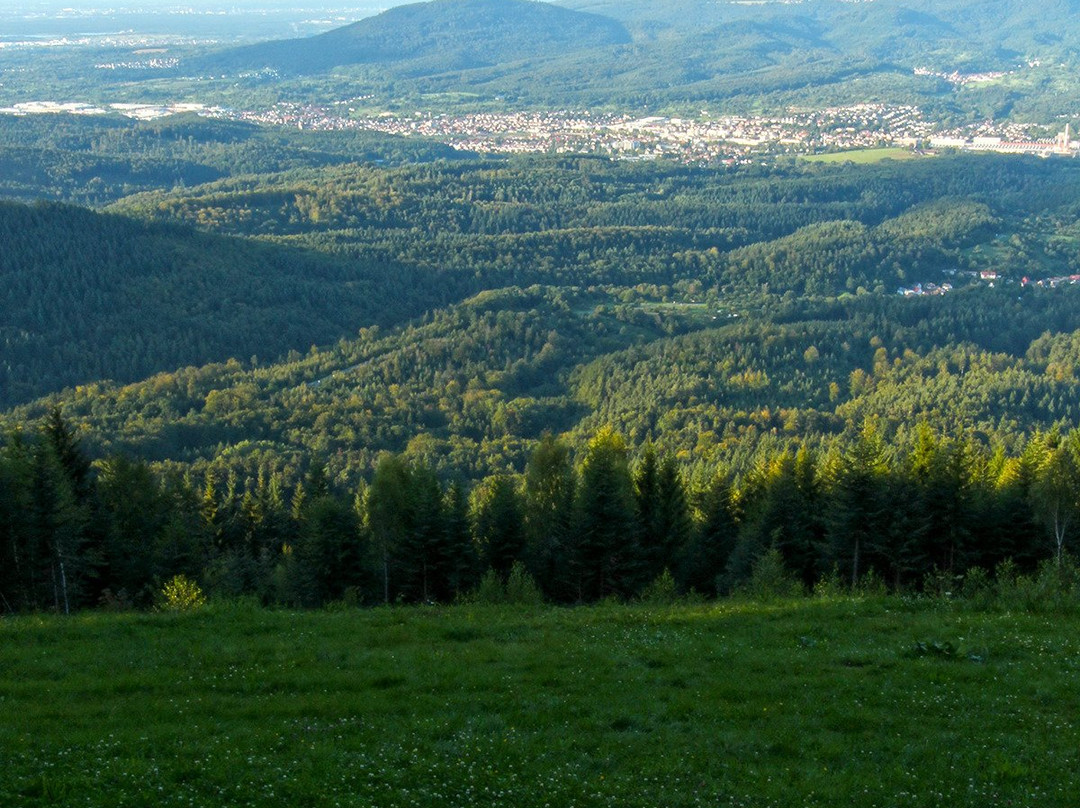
500, 524
607, 522
57, 535
461, 556
784, 514
138, 514
944, 476
550, 490
664, 521
650, 529
421, 557
328, 552
1017, 533
706, 557
72, 462
388, 515
859, 505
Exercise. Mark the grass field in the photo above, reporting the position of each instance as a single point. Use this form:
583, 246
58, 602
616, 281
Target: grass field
863, 156
802, 703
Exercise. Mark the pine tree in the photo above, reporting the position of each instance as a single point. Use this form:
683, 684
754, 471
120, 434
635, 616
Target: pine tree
706, 557
550, 489
461, 557
606, 521
57, 525
784, 514
1016, 530
421, 556
647, 563
665, 526
859, 504
500, 525
137, 513
944, 474
328, 552
88, 548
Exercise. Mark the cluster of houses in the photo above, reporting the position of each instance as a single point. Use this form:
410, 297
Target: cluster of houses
1052, 283
989, 276
924, 290
959, 79
156, 63
704, 138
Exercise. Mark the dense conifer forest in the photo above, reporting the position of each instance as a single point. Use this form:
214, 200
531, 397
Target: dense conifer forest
345, 380
616, 521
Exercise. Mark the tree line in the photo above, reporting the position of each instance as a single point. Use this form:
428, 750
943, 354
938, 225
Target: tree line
607, 523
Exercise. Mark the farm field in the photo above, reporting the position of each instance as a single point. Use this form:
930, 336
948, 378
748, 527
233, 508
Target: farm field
871, 702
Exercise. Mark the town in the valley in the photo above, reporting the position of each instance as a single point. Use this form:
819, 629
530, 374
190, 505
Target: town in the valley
702, 139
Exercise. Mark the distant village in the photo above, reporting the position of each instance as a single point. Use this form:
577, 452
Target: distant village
728, 139
988, 277
705, 139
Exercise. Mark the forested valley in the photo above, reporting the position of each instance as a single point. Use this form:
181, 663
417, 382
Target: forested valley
332, 380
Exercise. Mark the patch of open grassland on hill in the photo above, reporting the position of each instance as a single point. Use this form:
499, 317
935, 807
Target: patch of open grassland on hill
802, 703
863, 156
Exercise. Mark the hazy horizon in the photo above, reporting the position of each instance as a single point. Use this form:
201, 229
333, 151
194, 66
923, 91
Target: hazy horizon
209, 19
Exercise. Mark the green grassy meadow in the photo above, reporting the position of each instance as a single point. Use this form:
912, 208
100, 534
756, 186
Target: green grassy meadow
877, 702
863, 156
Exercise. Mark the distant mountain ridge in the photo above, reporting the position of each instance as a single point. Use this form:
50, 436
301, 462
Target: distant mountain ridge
635, 53
438, 35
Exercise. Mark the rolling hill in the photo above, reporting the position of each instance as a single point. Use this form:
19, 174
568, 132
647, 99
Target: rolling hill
694, 306
630, 53
434, 37
87, 296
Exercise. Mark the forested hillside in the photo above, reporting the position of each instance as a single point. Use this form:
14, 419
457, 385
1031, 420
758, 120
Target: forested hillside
625, 53
433, 37
95, 161
87, 297
725, 349
620, 256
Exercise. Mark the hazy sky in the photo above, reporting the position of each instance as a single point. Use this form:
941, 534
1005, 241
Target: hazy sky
79, 7
27, 21
260, 19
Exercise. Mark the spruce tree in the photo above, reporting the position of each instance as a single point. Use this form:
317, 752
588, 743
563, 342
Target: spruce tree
500, 525
461, 556
606, 521
859, 506
328, 552
705, 558
550, 490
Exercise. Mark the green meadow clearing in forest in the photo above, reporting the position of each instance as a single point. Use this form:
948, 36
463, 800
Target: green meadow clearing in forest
863, 156
808, 702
